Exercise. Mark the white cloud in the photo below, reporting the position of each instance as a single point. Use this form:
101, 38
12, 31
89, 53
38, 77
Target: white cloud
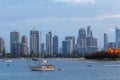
76, 1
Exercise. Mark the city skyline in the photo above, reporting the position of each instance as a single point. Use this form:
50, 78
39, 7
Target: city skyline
58, 16
60, 41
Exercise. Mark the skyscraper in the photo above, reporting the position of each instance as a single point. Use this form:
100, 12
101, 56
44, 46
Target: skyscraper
2, 46
89, 31
24, 41
95, 44
89, 37
49, 48
105, 42
66, 47
86, 43
72, 38
89, 41
42, 50
117, 36
34, 42
112, 45
14, 37
81, 41
55, 44
17, 49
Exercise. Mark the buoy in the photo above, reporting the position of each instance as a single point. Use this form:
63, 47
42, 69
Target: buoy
60, 69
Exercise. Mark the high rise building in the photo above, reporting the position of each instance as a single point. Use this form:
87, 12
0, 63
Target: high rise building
95, 42
17, 49
81, 41
34, 42
2, 46
105, 42
86, 43
89, 37
89, 31
24, 41
55, 44
14, 37
117, 36
94, 47
42, 50
112, 45
91, 34
72, 38
49, 48
89, 41
67, 46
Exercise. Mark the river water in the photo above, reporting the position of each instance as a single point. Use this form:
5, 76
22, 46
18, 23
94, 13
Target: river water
73, 70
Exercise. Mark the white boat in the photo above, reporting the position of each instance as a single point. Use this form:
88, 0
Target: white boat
44, 61
43, 68
7, 60
35, 59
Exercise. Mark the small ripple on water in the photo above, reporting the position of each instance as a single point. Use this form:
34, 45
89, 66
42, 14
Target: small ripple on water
112, 65
3, 79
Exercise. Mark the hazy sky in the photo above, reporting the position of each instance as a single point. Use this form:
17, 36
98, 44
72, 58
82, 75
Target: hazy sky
62, 17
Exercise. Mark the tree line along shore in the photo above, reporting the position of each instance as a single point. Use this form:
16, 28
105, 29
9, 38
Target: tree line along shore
102, 55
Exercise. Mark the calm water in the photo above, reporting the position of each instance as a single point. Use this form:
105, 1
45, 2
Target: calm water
73, 70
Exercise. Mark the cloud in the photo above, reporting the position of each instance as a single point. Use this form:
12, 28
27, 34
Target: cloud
76, 1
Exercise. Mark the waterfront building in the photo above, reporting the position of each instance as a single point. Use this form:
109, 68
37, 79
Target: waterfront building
112, 45
86, 43
89, 37
89, 41
67, 46
14, 37
42, 50
2, 46
49, 48
72, 38
24, 41
89, 31
117, 36
18, 49
81, 41
119, 44
92, 45
55, 44
34, 42
95, 42
92, 49
105, 41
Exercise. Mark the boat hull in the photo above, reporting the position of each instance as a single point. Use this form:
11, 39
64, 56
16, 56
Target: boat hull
42, 68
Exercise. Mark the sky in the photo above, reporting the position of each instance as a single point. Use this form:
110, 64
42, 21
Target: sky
62, 17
